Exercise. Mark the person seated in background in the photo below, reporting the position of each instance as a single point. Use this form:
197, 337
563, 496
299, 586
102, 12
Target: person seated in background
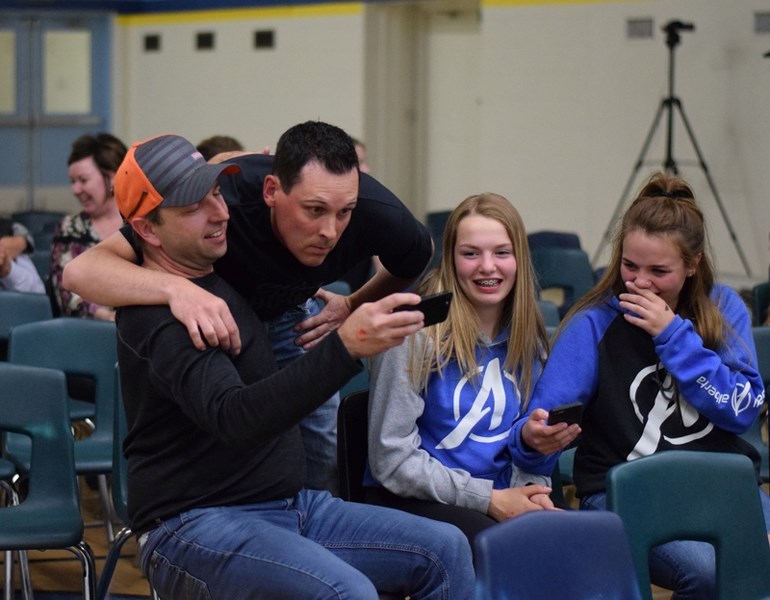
92, 163
441, 405
662, 358
214, 452
17, 271
298, 220
217, 144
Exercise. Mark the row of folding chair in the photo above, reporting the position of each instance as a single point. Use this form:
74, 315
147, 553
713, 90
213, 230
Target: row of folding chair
81, 348
44, 392
85, 347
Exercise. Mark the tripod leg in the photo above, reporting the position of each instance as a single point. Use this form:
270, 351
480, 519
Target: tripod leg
713, 188
665, 103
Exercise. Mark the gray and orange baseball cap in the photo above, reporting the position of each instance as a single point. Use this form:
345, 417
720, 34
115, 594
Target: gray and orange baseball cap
164, 171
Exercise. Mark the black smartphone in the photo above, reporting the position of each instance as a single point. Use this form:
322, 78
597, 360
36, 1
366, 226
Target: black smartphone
567, 413
435, 307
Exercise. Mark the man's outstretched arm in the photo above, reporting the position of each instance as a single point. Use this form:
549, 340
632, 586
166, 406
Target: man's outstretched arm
108, 274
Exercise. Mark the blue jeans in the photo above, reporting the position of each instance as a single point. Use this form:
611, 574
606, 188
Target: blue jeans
686, 567
311, 546
319, 428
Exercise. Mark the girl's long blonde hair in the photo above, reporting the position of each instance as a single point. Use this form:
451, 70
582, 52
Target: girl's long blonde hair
457, 337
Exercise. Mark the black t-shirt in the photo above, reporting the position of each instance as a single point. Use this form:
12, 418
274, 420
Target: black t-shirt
209, 429
272, 280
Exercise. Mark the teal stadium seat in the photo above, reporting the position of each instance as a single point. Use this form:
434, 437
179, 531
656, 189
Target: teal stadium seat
565, 269
33, 405
85, 347
706, 496
17, 308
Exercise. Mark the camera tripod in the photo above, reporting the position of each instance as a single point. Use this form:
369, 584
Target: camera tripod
669, 105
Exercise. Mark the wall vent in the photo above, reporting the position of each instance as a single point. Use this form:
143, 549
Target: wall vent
152, 43
639, 28
264, 38
204, 40
762, 22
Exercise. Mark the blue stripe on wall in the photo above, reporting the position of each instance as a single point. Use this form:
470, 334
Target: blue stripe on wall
150, 6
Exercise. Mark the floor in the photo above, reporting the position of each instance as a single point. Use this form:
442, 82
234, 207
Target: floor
56, 575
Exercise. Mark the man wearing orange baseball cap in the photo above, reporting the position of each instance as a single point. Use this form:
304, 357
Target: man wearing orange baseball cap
214, 452
163, 170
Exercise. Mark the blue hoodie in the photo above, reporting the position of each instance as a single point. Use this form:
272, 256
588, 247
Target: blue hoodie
646, 394
450, 443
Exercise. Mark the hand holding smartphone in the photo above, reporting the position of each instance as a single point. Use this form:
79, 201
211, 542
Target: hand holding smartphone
567, 413
435, 307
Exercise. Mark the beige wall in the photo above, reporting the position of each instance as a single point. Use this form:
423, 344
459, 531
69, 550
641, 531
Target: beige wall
549, 103
568, 101
314, 72
546, 103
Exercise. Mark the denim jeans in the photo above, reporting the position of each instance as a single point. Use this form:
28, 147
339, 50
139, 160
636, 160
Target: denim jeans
686, 567
311, 546
319, 428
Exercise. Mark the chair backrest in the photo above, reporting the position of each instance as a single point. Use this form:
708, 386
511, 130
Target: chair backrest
568, 269
436, 223
33, 403
566, 464
358, 383
17, 308
352, 444
550, 313
85, 347
550, 239
38, 220
42, 261
706, 496
760, 297
754, 434
558, 555
119, 465
761, 337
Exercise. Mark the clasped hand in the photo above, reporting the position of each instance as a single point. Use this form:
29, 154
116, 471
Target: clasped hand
510, 502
